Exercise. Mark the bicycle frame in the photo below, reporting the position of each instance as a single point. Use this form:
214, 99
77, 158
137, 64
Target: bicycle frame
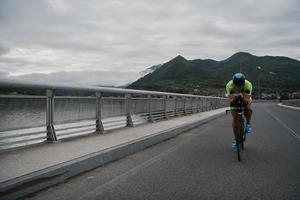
241, 132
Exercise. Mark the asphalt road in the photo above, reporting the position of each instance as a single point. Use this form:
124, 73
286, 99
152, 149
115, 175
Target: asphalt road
200, 164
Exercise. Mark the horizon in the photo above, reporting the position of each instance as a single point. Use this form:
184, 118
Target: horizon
124, 78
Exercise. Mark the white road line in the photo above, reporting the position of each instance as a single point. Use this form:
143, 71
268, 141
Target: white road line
289, 107
106, 186
291, 131
102, 188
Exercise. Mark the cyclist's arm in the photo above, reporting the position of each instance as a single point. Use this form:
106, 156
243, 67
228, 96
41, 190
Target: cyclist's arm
247, 93
230, 92
247, 99
232, 97
246, 96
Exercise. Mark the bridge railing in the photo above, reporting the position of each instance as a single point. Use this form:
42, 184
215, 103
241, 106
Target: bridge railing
30, 119
292, 102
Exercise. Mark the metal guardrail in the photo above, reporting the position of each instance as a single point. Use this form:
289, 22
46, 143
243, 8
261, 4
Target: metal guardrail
29, 119
292, 102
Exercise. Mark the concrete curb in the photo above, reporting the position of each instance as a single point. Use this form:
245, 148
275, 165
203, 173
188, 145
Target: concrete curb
45, 178
289, 107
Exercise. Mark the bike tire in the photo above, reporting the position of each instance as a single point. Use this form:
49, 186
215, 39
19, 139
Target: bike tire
240, 142
238, 148
238, 152
242, 133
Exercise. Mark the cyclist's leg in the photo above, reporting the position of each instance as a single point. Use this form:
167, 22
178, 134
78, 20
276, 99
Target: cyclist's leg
248, 111
234, 115
235, 123
235, 130
248, 115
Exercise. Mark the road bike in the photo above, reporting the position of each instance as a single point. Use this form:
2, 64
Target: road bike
241, 137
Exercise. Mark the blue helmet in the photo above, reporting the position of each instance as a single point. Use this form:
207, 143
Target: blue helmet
238, 79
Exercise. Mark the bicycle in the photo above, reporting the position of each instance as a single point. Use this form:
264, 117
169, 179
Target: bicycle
240, 108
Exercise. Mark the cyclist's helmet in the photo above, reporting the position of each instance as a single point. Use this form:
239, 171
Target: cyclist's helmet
238, 79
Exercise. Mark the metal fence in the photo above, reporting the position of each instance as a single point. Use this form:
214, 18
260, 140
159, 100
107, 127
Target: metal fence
292, 102
30, 119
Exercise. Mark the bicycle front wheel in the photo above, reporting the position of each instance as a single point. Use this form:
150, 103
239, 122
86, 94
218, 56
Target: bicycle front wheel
242, 134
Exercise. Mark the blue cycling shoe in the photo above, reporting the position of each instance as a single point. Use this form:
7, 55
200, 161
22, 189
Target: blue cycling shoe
248, 129
234, 144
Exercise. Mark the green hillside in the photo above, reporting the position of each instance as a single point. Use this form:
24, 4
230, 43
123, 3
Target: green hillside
270, 74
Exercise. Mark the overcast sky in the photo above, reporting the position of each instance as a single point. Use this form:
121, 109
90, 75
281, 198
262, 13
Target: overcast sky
109, 42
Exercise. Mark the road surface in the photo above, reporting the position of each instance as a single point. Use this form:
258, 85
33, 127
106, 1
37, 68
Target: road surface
200, 164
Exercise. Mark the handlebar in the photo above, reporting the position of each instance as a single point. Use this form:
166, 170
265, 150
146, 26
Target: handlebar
240, 105
237, 110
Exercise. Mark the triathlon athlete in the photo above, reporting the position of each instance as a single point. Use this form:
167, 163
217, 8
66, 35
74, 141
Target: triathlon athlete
236, 87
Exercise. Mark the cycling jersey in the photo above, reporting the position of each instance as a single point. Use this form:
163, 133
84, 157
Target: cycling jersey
231, 89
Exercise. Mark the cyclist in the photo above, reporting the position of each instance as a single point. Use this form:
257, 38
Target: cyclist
236, 87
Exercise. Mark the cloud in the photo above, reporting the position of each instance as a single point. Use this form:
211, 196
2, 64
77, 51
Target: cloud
128, 36
3, 75
3, 50
98, 78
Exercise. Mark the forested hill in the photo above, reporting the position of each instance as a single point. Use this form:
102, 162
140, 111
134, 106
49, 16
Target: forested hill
270, 74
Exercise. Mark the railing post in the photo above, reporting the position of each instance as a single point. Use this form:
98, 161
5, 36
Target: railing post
51, 135
192, 105
149, 108
206, 104
165, 107
128, 110
184, 105
176, 113
198, 104
99, 124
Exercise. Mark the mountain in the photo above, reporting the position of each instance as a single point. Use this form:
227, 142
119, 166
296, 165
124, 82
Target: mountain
149, 70
269, 75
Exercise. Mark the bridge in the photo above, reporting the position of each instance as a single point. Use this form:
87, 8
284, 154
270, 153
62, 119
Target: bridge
113, 143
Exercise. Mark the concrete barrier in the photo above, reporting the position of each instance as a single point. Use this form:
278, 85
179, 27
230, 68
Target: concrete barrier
45, 178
